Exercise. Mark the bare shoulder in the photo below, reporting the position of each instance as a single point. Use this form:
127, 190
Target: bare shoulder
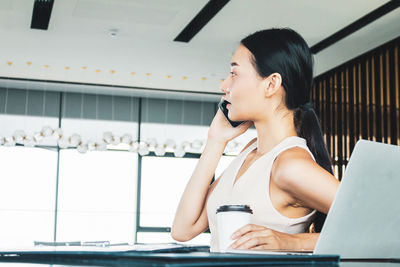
293, 155
295, 172
293, 167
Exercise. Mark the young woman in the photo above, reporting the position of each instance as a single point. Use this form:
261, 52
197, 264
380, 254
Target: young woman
284, 174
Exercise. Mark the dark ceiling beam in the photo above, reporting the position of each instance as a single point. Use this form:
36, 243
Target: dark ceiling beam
356, 25
200, 20
41, 14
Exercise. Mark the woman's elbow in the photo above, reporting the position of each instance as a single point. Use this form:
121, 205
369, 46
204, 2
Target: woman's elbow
179, 235
182, 232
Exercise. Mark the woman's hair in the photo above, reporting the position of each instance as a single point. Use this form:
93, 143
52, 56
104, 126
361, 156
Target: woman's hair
285, 52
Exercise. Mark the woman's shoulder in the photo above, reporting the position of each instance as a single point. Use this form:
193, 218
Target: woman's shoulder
291, 165
296, 173
294, 153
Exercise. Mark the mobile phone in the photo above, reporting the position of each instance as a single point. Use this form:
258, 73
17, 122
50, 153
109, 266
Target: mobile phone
222, 107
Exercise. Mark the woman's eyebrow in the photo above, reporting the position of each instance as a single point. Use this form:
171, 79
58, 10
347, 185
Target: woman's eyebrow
234, 64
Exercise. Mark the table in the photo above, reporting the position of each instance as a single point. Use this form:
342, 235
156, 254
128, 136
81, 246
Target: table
171, 259
58, 257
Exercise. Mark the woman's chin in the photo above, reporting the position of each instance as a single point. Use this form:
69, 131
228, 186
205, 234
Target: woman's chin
235, 118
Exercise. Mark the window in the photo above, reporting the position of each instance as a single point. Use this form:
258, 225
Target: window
96, 199
162, 184
161, 190
27, 195
28, 176
97, 191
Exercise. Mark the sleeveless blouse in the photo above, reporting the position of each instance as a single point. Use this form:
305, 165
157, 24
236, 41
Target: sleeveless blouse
252, 189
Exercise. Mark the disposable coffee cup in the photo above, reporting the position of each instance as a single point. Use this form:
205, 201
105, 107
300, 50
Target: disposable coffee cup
231, 218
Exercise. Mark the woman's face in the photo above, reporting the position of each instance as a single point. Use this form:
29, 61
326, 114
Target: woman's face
243, 87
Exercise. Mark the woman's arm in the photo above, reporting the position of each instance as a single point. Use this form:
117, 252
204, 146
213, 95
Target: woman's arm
191, 215
308, 184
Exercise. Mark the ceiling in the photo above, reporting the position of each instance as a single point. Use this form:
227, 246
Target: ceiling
78, 46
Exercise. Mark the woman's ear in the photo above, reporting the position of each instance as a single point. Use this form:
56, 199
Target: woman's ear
272, 84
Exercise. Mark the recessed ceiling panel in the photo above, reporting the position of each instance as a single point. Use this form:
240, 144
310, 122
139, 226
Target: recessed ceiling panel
132, 12
314, 19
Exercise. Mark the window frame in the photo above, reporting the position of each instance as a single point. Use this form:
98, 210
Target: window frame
140, 228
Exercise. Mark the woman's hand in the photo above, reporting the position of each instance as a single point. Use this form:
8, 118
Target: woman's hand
254, 236
221, 131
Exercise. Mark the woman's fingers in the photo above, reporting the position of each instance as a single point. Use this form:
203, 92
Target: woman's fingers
251, 236
255, 240
247, 228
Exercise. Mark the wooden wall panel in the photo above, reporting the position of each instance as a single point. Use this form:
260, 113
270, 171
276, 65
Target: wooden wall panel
360, 100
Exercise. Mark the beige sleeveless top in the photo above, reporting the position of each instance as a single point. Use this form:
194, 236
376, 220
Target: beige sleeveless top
252, 189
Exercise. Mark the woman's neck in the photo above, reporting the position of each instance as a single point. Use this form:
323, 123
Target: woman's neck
273, 131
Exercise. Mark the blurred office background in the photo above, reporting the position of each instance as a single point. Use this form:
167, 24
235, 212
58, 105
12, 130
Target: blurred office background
105, 105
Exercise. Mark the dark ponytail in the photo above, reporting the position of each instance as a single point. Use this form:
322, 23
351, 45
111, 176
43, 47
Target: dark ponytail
284, 51
307, 126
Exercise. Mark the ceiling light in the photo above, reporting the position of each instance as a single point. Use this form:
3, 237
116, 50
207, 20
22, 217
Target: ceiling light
82, 148
46, 131
58, 133
19, 136
179, 152
101, 146
143, 149
159, 150
126, 139
63, 142
29, 142
133, 146
75, 140
108, 137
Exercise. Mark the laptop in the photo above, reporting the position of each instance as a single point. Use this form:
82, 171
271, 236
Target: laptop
364, 219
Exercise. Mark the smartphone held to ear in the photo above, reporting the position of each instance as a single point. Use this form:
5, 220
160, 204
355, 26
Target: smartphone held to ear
222, 107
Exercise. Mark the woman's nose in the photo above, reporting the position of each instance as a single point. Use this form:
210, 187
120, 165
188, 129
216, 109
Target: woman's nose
224, 86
